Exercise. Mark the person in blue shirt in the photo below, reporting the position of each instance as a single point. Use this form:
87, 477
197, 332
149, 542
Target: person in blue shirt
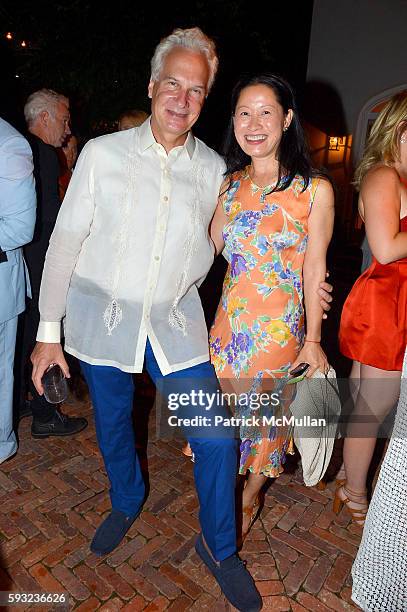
17, 220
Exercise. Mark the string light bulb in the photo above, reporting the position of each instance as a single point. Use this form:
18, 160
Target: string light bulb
23, 43
9, 36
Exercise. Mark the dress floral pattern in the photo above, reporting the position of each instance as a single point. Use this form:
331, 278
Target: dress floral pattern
259, 324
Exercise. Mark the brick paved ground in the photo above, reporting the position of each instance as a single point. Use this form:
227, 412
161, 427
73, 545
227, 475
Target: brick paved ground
53, 496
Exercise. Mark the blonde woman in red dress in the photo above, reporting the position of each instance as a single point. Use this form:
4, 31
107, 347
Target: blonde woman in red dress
373, 329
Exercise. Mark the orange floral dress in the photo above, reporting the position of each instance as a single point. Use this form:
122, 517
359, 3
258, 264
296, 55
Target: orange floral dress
259, 324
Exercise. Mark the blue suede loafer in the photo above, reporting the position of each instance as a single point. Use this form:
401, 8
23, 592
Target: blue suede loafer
233, 578
110, 533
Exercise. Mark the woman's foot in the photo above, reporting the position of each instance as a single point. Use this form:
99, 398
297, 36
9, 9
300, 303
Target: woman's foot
252, 503
355, 502
250, 512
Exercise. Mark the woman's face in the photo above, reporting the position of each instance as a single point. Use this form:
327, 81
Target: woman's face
71, 151
259, 121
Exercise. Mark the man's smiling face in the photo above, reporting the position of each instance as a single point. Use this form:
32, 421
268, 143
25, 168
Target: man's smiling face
178, 96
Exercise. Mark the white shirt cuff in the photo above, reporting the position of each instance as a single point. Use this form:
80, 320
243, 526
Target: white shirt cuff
49, 331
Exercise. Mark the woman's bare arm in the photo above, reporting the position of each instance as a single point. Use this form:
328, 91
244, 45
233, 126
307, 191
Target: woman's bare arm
320, 227
218, 222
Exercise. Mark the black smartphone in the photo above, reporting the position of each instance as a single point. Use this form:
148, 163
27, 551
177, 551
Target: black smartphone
298, 373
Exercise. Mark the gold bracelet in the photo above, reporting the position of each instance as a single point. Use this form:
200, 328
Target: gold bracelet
313, 341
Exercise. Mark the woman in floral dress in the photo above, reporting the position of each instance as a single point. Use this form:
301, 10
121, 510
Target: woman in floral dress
273, 224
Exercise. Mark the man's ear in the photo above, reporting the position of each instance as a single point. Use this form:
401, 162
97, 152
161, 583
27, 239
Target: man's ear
44, 116
150, 89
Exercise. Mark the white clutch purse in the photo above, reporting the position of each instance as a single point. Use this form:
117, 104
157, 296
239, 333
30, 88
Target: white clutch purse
316, 408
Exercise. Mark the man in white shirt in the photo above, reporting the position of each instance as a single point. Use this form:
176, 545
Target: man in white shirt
129, 249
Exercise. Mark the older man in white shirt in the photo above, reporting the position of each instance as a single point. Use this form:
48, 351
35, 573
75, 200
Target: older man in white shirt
128, 252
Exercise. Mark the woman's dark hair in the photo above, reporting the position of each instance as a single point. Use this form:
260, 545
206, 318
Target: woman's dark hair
292, 152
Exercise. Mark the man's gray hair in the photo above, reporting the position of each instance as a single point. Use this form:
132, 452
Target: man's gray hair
40, 101
191, 38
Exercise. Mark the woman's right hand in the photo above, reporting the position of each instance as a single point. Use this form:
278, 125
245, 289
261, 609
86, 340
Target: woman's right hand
313, 354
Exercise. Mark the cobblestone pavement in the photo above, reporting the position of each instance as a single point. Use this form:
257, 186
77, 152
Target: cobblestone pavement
53, 495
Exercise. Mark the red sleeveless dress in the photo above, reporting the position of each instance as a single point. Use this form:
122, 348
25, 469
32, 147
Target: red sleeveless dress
373, 326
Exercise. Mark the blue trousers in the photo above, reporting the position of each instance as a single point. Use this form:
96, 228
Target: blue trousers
215, 455
8, 443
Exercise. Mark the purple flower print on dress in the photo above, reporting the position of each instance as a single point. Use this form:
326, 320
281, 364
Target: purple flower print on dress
237, 264
246, 222
295, 280
244, 342
272, 433
269, 209
284, 452
245, 451
232, 242
275, 458
279, 269
301, 248
230, 350
215, 346
284, 240
240, 342
286, 274
262, 244
292, 318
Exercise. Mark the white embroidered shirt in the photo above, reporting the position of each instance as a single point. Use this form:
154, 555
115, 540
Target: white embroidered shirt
129, 249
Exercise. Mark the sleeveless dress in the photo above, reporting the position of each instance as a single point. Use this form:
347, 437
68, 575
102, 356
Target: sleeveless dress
259, 324
379, 571
373, 327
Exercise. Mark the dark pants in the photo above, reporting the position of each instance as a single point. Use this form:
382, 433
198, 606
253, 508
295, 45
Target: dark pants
215, 455
42, 410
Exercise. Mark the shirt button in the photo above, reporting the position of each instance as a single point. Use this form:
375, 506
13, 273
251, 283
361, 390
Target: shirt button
165, 198
157, 258
147, 316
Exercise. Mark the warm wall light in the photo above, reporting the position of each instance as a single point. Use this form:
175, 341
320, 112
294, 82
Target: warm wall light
23, 43
9, 35
336, 142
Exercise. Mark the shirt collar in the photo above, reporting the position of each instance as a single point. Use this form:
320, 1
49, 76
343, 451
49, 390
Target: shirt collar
147, 139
